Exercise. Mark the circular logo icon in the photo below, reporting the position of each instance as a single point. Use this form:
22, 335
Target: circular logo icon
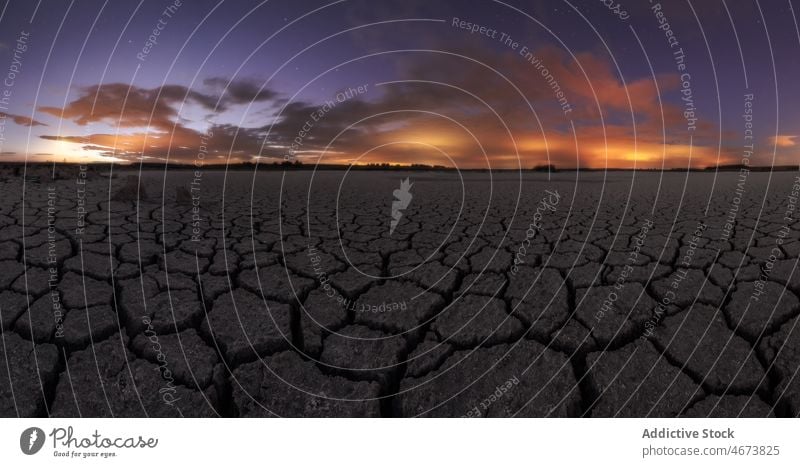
31, 440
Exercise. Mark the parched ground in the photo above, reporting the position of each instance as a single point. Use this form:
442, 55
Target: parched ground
619, 294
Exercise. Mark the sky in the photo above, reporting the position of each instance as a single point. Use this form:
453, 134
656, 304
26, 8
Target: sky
469, 84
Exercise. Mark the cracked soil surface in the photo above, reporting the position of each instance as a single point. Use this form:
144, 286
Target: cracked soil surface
284, 294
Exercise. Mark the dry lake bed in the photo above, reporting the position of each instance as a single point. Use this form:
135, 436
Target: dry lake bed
354, 294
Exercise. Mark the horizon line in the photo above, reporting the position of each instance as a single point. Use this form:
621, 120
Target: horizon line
398, 167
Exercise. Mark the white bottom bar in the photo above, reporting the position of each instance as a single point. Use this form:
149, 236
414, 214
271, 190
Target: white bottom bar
387, 442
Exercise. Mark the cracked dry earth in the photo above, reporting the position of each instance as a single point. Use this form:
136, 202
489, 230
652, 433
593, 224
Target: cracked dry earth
297, 301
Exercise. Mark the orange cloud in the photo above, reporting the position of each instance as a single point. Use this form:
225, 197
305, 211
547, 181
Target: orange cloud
783, 141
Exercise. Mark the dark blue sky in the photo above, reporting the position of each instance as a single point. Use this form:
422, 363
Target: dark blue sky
229, 68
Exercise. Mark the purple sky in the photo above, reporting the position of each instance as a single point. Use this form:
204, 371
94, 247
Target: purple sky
251, 74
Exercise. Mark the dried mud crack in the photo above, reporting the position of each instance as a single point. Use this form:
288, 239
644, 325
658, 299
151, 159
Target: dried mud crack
309, 306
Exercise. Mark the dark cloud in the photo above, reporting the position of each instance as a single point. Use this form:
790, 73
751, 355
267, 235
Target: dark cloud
131, 106
128, 106
23, 120
240, 91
